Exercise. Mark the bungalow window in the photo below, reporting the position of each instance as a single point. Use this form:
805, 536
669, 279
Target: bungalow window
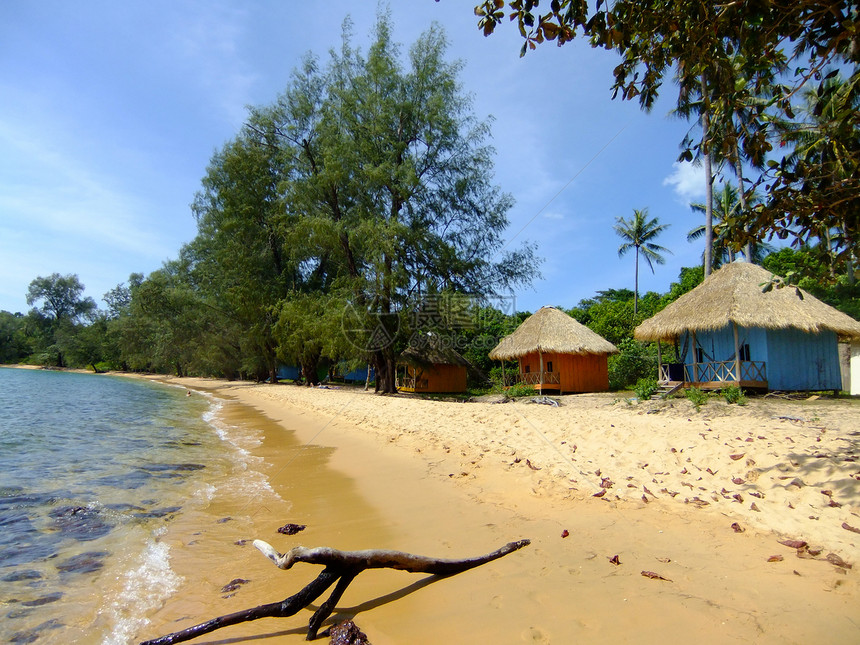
528, 368
549, 366
744, 353
700, 355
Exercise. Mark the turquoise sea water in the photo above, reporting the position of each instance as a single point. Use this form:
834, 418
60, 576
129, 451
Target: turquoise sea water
93, 469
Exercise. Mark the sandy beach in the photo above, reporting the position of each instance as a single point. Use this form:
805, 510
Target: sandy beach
700, 498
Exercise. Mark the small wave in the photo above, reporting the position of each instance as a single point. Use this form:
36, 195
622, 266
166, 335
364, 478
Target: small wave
145, 588
250, 482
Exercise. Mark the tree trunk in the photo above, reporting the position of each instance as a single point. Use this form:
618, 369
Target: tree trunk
709, 179
636, 284
739, 170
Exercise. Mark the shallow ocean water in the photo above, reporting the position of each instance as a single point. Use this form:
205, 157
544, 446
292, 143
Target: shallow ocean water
93, 471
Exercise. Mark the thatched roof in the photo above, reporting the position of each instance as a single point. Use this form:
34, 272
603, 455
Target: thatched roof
551, 330
426, 350
733, 294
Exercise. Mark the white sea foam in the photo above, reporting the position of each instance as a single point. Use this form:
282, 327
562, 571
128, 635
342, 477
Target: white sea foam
145, 588
251, 482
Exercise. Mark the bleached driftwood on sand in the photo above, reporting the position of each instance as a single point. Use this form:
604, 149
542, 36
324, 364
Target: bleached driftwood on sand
341, 567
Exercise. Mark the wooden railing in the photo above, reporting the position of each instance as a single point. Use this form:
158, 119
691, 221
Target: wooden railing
413, 384
718, 371
533, 378
724, 371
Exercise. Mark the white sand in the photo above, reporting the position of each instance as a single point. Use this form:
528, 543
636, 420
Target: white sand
459, 479
764, 464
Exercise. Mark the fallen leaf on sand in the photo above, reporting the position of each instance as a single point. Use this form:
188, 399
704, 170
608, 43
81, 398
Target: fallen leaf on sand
738, 497
614, 560
835, 560
753, 507
600, 494
848, 527
736, 457
793, 544
605, 482
737, 481
531, 465
737, 527
664, 560
654, 576
829, 493
565, 533
234, 584
775, 558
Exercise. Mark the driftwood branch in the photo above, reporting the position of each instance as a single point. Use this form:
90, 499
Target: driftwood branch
341, 567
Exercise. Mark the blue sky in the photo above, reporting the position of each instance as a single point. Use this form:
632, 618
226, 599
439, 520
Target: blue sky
110, 113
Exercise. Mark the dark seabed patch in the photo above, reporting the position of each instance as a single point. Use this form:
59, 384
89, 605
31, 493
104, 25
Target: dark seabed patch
44, 600
24, 574
82, 523
83, 562
33, 634
158, 512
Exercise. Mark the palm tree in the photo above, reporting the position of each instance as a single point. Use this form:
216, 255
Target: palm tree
826, 144
638, 234
728, 204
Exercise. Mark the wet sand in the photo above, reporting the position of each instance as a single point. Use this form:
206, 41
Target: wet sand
454, 480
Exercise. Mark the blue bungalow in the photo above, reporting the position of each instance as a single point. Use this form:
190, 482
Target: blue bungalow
288, 372
731, 330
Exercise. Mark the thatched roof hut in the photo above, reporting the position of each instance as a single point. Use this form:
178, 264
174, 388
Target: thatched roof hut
734, 328
550, 330
556, 352
734, 295
430, 349
431, 365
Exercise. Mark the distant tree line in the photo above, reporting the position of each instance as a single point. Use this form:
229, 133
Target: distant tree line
160, 324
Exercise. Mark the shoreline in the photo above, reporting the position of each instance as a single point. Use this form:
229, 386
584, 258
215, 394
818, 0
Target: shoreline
432, 479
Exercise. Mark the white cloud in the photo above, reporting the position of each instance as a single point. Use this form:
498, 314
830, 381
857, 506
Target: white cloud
687, 180
207, 43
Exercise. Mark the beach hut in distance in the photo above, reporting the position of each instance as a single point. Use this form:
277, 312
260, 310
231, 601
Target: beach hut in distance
729, 330
431, 366
557, 353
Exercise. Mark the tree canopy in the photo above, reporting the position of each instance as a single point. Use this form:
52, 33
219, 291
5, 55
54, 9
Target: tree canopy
743, 65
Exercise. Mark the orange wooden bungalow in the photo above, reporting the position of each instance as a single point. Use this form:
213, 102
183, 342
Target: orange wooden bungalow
430, 366
557, 353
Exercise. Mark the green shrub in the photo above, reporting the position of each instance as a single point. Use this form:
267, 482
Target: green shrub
734, 394
697, 397
633, 361
520, 389
645, 388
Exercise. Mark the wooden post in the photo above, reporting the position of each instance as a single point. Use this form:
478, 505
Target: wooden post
737, 355
540, 355
695, 347
659, 361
